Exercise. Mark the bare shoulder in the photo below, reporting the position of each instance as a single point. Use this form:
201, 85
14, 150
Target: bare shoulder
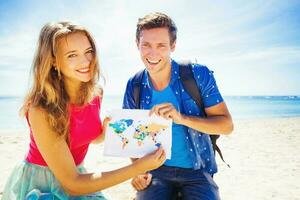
99, 92
36, 114
40, 125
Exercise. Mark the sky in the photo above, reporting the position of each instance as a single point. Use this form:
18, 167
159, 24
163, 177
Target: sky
253, 47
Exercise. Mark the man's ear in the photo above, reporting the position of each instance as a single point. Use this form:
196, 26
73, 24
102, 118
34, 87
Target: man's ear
173, 45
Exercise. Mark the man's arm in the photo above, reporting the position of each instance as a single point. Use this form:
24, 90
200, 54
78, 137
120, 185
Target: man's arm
218, 119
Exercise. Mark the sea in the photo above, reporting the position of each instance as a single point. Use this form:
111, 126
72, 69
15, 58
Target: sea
240, 107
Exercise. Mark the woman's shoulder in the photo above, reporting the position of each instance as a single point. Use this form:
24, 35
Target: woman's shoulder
98, 94
36, 112
98, 91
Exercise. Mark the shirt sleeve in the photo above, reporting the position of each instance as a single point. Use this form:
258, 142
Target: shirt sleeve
128, 99
206, 82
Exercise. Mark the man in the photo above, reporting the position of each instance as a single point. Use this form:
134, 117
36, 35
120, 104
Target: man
192, 162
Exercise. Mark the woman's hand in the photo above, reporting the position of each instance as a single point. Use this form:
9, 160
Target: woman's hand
151, 161
101, 136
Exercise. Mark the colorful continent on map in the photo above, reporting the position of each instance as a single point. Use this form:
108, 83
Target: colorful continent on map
150, 130
119, 127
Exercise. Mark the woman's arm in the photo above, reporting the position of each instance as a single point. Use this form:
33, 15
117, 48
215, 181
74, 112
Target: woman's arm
58, 157
101, 136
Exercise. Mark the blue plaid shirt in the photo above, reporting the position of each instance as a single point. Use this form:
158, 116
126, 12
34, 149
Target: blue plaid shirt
199, 144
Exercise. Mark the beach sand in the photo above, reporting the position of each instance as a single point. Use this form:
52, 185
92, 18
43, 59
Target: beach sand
263, 155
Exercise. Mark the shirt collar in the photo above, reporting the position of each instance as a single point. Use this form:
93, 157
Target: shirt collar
174, 75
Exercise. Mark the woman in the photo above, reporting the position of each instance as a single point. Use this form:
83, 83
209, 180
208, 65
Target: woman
62, 110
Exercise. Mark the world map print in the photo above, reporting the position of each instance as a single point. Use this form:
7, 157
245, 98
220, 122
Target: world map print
142, 131
133, 133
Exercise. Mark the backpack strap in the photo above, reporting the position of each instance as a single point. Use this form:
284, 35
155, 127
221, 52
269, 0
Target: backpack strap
190, 85
137, 81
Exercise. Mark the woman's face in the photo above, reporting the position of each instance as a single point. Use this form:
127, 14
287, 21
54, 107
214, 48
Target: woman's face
74, 56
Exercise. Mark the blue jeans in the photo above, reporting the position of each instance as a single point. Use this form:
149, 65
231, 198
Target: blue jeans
193, 185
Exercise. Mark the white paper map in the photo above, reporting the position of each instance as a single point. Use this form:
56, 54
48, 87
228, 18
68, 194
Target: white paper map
133, 133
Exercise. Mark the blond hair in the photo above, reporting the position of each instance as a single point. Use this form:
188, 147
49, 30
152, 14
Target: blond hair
48, 90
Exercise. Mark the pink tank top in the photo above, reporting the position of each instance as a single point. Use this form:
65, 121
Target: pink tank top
85, 126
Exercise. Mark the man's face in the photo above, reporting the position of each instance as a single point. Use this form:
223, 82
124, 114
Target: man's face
155, 49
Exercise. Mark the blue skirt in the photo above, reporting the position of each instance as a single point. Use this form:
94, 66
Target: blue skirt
32, 182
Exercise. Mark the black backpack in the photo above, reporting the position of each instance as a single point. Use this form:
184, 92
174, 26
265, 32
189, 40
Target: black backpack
190, 85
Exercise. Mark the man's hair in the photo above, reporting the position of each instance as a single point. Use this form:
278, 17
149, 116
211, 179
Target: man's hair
156, 20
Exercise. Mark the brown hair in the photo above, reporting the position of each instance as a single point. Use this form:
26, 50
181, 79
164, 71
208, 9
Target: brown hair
48, 88
156, 20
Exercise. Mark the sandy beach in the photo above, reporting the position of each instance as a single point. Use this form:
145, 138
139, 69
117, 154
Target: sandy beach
263, 155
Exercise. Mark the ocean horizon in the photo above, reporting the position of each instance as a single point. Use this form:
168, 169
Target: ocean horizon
240, 107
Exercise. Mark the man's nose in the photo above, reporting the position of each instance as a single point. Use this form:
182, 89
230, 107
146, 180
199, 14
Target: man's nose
152, 52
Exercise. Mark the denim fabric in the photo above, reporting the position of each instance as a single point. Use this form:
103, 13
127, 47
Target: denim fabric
193, 184
199, 144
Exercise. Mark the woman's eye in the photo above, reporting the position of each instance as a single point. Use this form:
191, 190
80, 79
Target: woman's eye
72, 55
90, 51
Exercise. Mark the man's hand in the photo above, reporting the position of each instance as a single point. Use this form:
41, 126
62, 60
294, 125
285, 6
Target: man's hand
141, 181
167, 111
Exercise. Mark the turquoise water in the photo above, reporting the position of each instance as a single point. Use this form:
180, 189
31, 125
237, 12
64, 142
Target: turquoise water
241, 107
